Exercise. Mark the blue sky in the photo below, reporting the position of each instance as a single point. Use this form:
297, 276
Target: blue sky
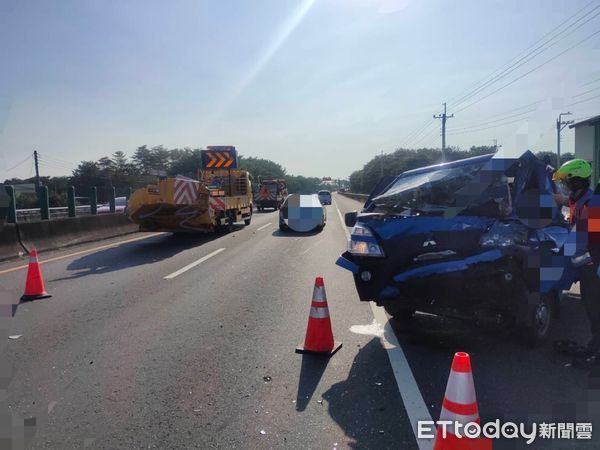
320, 86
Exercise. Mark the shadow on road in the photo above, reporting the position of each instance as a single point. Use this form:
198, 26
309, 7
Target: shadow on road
134, 254
265, 211
313, 367
290, 233
514, 382
368, 406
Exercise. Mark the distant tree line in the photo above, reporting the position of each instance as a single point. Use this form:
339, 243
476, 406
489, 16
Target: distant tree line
122, 173
402, 159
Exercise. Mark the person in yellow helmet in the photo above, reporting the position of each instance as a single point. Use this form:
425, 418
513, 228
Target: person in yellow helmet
584, 204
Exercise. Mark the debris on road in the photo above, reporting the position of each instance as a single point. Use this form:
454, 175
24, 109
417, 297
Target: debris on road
15, 336
263, 432
267, 378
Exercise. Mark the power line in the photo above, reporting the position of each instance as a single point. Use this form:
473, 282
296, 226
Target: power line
590, 82
583, 101
530, 71
478, 124
70, 163
432, 133
513, 60
18, 164
522, 58
411, 136
474, 130
53, 164
529, 56
586, 92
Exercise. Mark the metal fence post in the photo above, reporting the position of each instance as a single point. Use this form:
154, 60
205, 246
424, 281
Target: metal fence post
44, 203
94, 201
11, 217
111, 199
71, 200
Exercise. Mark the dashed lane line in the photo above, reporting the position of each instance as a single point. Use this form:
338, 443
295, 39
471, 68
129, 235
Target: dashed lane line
192, 265
264, 226
415, 406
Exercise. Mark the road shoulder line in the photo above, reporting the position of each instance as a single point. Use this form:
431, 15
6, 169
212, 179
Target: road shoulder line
414, 405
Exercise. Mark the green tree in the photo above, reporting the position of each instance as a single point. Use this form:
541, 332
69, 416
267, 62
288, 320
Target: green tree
186, 162
401, 160
263, 168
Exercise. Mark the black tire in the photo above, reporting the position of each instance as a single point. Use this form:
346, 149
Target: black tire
283, 227
248, 219
398, 311
540, 319
230, 221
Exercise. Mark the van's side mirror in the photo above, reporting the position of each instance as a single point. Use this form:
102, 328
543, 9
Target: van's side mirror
350, 218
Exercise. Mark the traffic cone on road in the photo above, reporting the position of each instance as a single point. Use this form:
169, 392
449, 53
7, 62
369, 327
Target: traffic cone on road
460, 406
319, 337
34, 284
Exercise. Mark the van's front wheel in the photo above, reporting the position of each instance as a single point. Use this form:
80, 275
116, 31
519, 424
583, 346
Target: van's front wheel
538, 325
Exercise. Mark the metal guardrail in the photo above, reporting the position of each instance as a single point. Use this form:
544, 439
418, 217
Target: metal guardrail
32, 214
360, 197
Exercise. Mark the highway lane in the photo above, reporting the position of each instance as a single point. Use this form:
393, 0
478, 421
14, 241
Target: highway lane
121, 357
513, 382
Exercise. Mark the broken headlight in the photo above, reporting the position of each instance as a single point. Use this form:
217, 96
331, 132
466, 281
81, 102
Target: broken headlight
362, 243
504, 234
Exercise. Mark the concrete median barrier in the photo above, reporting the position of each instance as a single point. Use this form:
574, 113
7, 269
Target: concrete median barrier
359, 197
52, 234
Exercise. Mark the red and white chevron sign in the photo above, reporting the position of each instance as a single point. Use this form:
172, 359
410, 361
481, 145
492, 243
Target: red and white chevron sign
216, 204
186, 191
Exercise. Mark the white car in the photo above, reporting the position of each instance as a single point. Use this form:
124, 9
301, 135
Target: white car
120, 206
325, 197
302, 213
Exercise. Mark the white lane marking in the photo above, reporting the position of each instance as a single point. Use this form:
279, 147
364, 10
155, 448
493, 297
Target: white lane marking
342, 220
407, 385
415, 406
192, 265
311, 247
264, 226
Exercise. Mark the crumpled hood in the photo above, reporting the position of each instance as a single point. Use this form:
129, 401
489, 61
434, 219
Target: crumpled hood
406, 226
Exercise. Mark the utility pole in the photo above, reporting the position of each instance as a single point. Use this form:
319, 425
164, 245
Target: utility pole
381, 165
560, 125
37, 169
444, 117
495, 145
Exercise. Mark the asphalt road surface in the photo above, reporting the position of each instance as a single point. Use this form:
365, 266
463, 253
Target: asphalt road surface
157, 341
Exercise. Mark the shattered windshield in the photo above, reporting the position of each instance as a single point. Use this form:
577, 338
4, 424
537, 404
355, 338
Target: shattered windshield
439, 189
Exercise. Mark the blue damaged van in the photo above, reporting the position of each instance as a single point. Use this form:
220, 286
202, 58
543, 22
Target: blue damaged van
477, 239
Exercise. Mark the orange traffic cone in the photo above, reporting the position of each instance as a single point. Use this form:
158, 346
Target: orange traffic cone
460, 406
319, 337
34, 285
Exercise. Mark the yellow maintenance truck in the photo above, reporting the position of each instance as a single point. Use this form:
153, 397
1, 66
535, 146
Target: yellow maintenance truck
219, 198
